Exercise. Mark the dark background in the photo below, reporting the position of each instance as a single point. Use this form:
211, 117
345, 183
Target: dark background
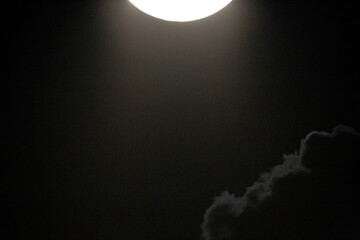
124, 126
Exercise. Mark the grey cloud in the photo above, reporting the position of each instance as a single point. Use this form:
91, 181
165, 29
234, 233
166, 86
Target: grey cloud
222, 216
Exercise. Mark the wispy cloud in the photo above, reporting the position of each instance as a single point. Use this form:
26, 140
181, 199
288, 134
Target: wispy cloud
221, 217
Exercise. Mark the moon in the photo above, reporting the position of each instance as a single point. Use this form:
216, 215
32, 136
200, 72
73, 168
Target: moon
180, 10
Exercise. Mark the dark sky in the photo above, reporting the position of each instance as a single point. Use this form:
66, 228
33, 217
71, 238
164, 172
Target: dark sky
124, 126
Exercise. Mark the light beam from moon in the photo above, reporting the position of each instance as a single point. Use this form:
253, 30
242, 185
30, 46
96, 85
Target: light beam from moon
180, 10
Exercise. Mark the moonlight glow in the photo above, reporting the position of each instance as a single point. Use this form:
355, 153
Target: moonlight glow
180, 10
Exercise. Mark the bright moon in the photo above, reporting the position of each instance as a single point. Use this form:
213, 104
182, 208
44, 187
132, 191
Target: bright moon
180, 10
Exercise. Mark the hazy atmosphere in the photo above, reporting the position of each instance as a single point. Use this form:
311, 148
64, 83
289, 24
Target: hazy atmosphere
241, 126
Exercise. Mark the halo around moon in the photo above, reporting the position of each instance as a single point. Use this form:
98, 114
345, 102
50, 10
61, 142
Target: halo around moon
180, 10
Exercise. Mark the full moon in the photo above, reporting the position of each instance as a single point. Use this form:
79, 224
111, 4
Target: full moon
180, 10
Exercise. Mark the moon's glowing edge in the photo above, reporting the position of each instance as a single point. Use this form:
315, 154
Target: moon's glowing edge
180, 10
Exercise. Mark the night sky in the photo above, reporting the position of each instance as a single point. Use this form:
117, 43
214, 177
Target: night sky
124, 126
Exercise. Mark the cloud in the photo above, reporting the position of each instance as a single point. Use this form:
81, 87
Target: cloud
298, 199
